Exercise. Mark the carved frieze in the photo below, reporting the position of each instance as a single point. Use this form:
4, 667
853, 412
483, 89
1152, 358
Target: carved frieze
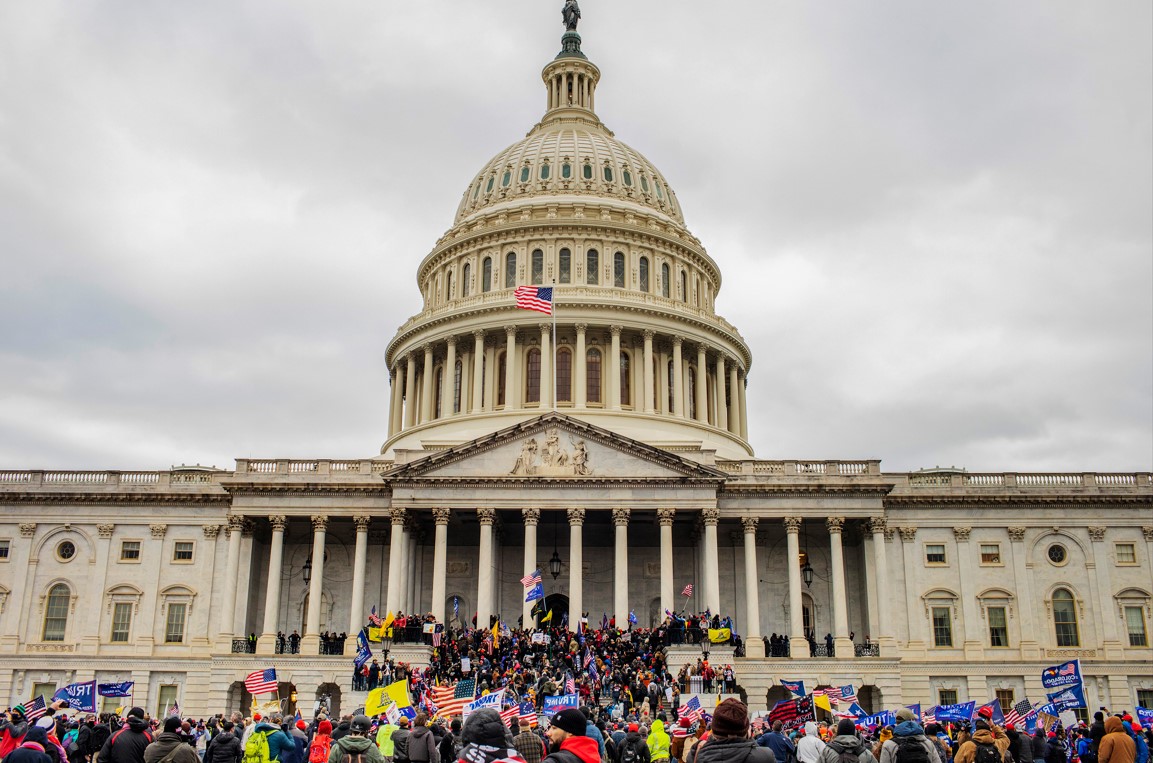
552, 458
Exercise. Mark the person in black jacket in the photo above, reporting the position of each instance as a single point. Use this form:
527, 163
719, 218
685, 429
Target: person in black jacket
128, 744
729, 741
32, 748
225, 747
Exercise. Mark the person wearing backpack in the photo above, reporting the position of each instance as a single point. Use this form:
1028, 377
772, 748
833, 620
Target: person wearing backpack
909, 743
128, 743
268, 741
321, 746
356, 747
846, 746
987, 745
225, 747
633, 748
170, 745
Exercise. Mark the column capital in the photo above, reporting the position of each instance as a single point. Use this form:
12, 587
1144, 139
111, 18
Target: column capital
665, 517
793, 525
441, 515
362, 521
235, 523
158, 531
510, 332
750, 524
1096, 533
616, 330
211, 532
478, 334
581, 328
398, 514
648, 334
576, 516
710, 517
835, 525
962, 533
877, 525
621, 517
678, 340
427, 347
486, 515
545, 328
278, 522
450, 341
531, 516
105, 531
319, 522
1016, 534
908, 534
1147, 531
248, 527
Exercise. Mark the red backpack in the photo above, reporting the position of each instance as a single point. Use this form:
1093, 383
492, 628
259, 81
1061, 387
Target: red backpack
318, 752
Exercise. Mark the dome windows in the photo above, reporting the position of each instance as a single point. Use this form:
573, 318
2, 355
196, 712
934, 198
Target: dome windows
608, 173
510, 270
525, 173
465, 279
665, 280
491, 180
660, 190
627, 177
619, 270
532, 379
564, 262
544, 170
593, 375
566, 170
587, 171
537, 266
592, 267
506, 178
643, 272
486, 275
564, 375
644, 184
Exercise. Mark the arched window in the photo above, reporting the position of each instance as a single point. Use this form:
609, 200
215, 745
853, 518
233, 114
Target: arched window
564, 375
588, 171
532, 379
439, 389
619, 270
448, 286
537, 266
458, 377
691, 392
500, 378
671, 387
544, 171
665, 279
564, 260
566, 170
525, 172
1065, 618
626, 380
593, 375
56, 612
465, 278
643, 270
486, 275
510, 270
592, 267
684, 287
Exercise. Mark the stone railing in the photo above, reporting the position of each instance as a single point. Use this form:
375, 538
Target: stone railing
305, 467
1022, 480
88, 479
801, 468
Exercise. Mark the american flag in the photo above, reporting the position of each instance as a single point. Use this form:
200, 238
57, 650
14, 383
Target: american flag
688, 590
930, 715
35, 708
846, 693
1019, 713
531, 579
261, 682
436, 637
691, 710
450, 700
510, 714
373, 618
833, 695
569, 684
537, 298
527, 711
174, 711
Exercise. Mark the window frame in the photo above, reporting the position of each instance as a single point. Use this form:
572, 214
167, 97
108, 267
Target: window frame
564, 265
594, 375
139, 551
997, 561
1003, 609
191, 552
5, 549
1126, 610
1063, 636
536, 267
592, 267
532, 385
170, 612
943, 561
65, 602
643, 275
465, 279
1131, 561
945, 630
946, 694
665, 278
626, 379
486, 275
620, 271
564, 375
510, 270
118, 606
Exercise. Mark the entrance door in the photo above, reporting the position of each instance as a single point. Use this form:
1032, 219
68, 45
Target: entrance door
558, 604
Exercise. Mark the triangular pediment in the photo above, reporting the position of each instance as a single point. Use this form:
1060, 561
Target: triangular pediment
554, 446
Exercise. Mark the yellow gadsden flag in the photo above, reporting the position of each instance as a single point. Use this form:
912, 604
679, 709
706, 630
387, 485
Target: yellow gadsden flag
375, 702
720, 635
375, 635
821, 701
547, 618
398, 693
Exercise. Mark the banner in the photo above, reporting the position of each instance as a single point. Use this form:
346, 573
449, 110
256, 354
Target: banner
536, 593
398, 693
375, 702
720, 635
1060, 676
960, 712
363, 651
1144, 716
553, 705
392, 713
1068, 698
796, 687
80, 697
122, 689
541, 638
883, 718
492, 700
465, 665
429, 628
375, 635
1046, 721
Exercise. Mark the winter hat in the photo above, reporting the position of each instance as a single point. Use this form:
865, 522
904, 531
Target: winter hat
324, 727
570, 720
301, 725
18, 710
905, 714
981, 724
137, 712
731, 719
171, 724
634, 727
485, 727
846, 728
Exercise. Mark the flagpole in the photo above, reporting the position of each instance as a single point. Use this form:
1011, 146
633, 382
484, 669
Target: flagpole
554, 345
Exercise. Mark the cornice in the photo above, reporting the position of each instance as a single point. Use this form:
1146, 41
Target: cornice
93, 498
746, 490
370, 489
558, 482
1058, 502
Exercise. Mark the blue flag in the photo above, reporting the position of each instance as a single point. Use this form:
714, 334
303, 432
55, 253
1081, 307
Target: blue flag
1065, 674
363, 651
534, 593
1144, 716
80, 697
632, 617
916, 710
998, 715
554, 705
960, 712
883, 718
1068, 698
122, 689
796, 687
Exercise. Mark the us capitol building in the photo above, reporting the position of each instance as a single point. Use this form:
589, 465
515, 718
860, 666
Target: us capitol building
616, 448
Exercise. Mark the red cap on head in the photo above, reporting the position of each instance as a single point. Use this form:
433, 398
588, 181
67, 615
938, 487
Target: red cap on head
985, 712
1010, 727
256, 717
634, 727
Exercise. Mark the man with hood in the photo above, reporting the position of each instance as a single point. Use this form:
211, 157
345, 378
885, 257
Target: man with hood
986, 735
1116, 745
729, 740
633, 748
906, 734
658, 742
422, 747
487, 739
12, 731
810, 746
1020, 745
170, 745
356, 746
225, 746
280, 745
127, 745
568, 742
846, 743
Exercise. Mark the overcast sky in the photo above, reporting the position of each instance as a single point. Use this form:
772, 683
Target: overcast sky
933, 219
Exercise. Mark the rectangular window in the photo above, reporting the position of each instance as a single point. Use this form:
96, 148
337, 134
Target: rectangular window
990, 553
1126, 553
532, 379
5, 545
43, 690
174, 628
946, 696
1135, 624
934, 553
1005, 699
165, 699
565, 265
121, 622
1145, 697
998, 627
942, 628
130, 551
182, 549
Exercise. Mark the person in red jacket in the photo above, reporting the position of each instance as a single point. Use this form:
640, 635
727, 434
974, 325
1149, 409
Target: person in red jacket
567, 740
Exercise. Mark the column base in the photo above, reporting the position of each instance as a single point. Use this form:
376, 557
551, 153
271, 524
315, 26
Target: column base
350, 647
844, 648
798, 646
754, 647
266, 644
888, 647
309, 644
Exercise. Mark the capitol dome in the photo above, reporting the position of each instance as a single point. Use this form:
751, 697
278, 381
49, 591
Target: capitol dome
634, 345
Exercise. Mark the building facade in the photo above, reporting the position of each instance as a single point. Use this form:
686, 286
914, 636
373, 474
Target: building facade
612, 437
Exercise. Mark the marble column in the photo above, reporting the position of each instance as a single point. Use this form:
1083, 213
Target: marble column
883, 634
843, 646
413, 566
665, 517
710, 518
440, 517
754, 645
397, 516
477, 370
1027, 637
356, 614
410, 393
267, 642
663, 385
621, 566
485, 516
310, 644
971, 628
232, 573
722, 419
511, 380
531, 520
797, 644
678, 379
744, 418
701, 386
427, 395
647, 391
396, 402
546, 401
576, 518
1111, 644
913, 604
734, 400
581, 380
614, 384
448, 387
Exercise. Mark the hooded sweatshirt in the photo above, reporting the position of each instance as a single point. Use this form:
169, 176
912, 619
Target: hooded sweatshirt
810, 746
172, 743
967, 752
1116, 745
128, 744
911, 730
658, 741
422, 746
849, 743
490, 754
353, 745
585, 748
733, 750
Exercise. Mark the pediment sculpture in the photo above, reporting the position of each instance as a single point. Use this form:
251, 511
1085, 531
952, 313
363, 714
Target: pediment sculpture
551, 458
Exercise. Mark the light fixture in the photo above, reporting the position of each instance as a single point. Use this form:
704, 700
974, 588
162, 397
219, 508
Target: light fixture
308, 570
806, 568
554, 563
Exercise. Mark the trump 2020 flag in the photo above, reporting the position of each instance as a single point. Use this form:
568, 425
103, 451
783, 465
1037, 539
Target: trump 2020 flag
122, 689
1069, 698
796, 687
363, 652
534, 594
80, 697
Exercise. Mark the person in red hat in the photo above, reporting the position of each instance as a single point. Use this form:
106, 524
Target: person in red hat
633, 748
